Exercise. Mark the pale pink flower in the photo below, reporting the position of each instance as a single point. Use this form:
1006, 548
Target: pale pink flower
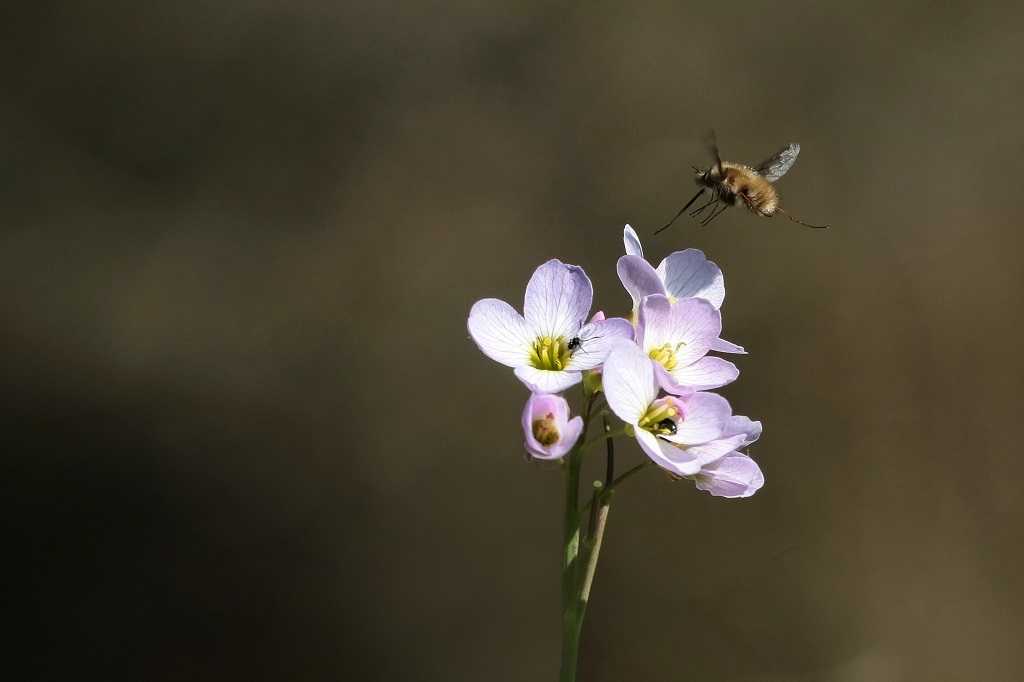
544, 346
683, 274
549, 432
677, 336
734, 474
680, 433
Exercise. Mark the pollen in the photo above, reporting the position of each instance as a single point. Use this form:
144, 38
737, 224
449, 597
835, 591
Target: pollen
666, 354
659, 412
546, 430
550, 354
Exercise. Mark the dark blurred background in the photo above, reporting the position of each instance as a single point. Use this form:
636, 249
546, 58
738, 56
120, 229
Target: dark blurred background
246, 436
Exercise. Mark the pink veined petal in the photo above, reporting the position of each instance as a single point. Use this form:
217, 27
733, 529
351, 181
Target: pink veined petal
570, 434
706, 373
738, 424
688, 274
558, 300
596, 339
539, 407
709, 452
733, 476
705, 416
652, 321
691, 321
632, 242
629, 384
668, 382
546, 381
500, 332
666, 455
639, 278
723, 346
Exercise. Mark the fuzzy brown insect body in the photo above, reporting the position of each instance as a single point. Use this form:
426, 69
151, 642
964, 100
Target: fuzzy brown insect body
738, 183
732, 183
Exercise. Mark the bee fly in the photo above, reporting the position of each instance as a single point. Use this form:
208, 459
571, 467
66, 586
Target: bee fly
731, 183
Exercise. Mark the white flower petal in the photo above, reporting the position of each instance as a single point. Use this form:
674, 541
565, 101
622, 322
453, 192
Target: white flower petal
629, 384
668, 382
596, 339
500, 332
558, 300
706, 373
652, 322
734, 475
639, 278
693, 322
709, 452
546, 381
705, 417
571, 434
632, 242
738, 424
688, 274
723, 346
666, 455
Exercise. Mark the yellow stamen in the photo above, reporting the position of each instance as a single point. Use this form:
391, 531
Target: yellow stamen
550, 354
545, 430
666, 355
657, 414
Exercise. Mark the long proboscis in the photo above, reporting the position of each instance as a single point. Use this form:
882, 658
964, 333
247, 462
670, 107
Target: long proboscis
817, 227
683, 209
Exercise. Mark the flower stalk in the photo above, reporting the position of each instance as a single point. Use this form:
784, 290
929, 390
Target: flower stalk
624, 365
580, 559
571, 623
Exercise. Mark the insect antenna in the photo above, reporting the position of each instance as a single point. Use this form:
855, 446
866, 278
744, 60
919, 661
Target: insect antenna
817, 227
683, 209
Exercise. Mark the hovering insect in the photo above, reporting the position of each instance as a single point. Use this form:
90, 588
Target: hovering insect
731, 183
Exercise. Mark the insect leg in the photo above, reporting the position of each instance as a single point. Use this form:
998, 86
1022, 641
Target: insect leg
713, 200
713, 209
707, 221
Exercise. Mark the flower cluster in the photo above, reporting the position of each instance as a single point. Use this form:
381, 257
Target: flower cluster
653, 368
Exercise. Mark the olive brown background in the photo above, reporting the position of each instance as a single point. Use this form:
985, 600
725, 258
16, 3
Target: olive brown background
246, 436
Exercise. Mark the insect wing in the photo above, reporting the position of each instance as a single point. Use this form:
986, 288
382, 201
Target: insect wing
776, 165
712, 144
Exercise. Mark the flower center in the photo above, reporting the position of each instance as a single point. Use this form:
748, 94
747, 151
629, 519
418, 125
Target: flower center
666, 354
550, 354
660, 418
546, 430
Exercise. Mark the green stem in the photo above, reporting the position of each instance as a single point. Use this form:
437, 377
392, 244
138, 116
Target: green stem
571, 528
571, 620
580, 559
603, 437
592, 551
600, 505
609, 489
626, 476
